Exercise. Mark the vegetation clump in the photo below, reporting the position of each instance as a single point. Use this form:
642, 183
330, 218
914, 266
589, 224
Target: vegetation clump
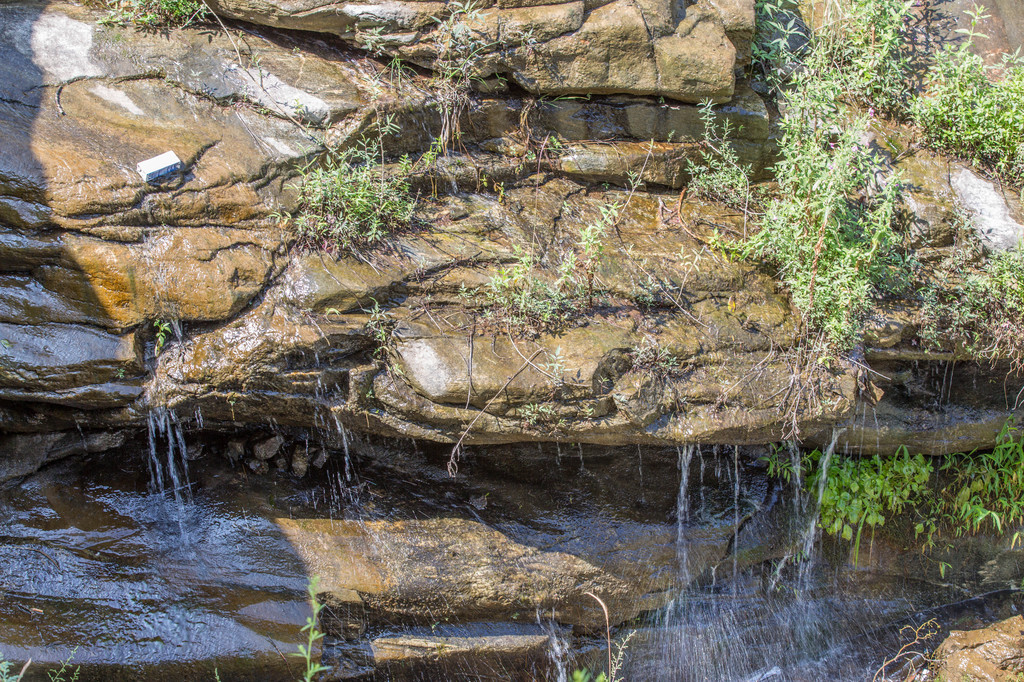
982, 311
859, 491
523, 298
718, 175
974, 110
352, 199
155, 13
863, 45
830, 228
970, 491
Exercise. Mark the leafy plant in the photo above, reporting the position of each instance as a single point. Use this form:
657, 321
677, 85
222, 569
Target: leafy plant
859, 45
986, 486
982, 312
718, 176
313, 635
654, 360
163, 332
861, 491
865, 44
352, 200
973, 109
459, 47
7, 673
520, 296
381, 325
969, 491
830, 230
591, 247
534, 413
58, 675
830, 226
523, 297
154, 13
617, 656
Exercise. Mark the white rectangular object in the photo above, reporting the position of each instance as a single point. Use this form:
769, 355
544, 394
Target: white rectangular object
158, 166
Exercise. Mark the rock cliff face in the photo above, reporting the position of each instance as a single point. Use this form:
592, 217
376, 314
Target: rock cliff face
256, 333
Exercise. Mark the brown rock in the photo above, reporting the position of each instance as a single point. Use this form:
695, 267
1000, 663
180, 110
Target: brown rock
992, 654
451, 568
265, 449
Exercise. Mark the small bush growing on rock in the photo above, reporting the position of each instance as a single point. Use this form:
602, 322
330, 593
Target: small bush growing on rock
983, 312
830, 227
654, 361
987, 487
864, 42
524, 298
860, 45
352, 199
718, 176
154, 13
970, 492
460, 47
975, 110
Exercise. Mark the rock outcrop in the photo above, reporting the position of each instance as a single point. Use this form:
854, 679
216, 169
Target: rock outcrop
117, 296
684, 51
992, 654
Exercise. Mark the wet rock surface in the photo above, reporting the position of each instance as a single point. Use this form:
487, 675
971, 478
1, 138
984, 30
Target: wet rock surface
428, 577
101, 271
991, 654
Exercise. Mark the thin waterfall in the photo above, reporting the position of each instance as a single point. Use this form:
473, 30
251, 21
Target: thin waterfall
736, 520
344, 443
171, 473
558, 647
640, 471
685, 454
810, 535
700, 485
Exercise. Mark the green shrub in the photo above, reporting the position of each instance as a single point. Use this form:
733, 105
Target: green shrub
718, 175
976, 110
153, 13
986, 486
829, 229
7, 671
864, 42
982, 312
859, 45
863, 491
971, 490
352, 200
523, 298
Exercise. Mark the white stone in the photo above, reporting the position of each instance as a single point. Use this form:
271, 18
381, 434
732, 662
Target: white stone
60, 46
150, 169
990, 214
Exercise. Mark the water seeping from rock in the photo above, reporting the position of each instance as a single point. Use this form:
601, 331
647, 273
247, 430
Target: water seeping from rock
170, 473
694, 586
683, 501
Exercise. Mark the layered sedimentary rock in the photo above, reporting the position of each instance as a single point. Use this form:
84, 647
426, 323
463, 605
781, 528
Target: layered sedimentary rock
118, 296
685, 51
